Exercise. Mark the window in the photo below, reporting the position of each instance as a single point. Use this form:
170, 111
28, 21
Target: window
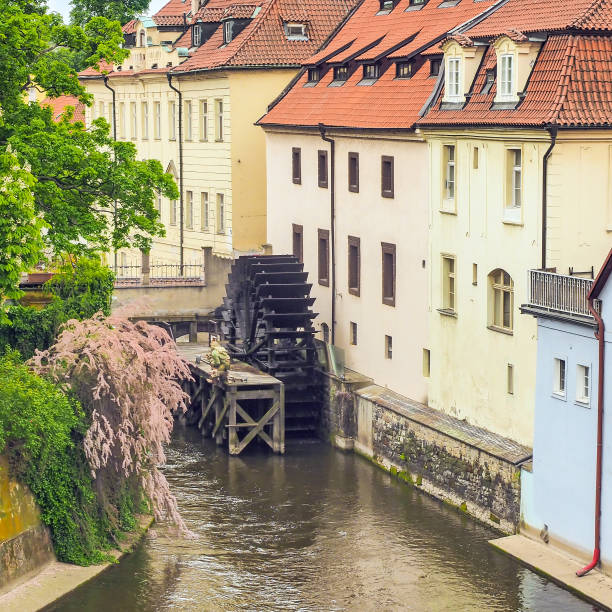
453, 81
583, 384
426, 363
189, 211
434, 66
203, 120
322, 168
475, 160
142, 38
314, 75
371, 71
204, 212
197, 35
403, 70
134, 120
448, 284
354, 265
449, 176
325, 330
510, 379
559, 377
173, 206
121, 120
145, 120
220, 213
474, 274
296, 31
158, 203
340, 73
296, 165
388, 347
502, 300
172, 120
156, 120
514, 180
219, 121
386, 171
100, 109
323, 257
418, 2
386, 5
388, 273
506, 77
227, 32
353, 332
489, 80
297, 242
188, 121
353, 172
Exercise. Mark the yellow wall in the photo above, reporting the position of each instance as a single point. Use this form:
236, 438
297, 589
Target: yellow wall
251, 92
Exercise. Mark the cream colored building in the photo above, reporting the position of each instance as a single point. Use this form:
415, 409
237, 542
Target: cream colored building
189, 95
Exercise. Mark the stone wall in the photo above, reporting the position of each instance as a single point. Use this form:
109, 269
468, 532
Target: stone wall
25, 543
468, 467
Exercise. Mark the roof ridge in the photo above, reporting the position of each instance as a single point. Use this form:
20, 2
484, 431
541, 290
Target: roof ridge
563, 88
587, 12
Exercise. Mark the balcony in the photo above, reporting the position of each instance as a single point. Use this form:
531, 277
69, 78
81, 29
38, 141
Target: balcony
559, 296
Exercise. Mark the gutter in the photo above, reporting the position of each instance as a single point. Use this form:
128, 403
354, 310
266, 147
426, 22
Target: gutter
552, 130
332, 194
115, 158
599, 334
180, 144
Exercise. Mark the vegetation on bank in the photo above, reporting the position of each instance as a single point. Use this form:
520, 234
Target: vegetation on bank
84, 420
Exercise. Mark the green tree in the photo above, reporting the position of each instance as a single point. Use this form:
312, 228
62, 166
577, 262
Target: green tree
84, 10
62, 186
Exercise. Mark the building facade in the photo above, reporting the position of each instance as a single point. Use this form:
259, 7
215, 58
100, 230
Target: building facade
197, 78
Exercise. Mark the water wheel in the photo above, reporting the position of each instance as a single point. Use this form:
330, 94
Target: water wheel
267, 321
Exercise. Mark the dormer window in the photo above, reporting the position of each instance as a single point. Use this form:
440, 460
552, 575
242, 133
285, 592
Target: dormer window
314, 74
434, 66
340, 73
506, 77
416, 5
227, 32
404, 70
489, 80
453, 79
296, 31
197, 36
371, 71
386, 6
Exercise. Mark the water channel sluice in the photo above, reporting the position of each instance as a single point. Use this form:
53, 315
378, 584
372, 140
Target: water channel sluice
314, 529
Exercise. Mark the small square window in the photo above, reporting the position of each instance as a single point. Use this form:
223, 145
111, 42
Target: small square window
353, 333
475, 158
404, 70
510, 379
340, 73
583, 384
426, 363
489, 80
371, 71
474, 274
434, 66
559, 380
314, 74
388, 347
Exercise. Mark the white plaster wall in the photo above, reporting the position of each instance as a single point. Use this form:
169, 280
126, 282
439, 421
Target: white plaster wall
401, 220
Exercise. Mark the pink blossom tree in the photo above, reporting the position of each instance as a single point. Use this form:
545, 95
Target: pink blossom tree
126, 376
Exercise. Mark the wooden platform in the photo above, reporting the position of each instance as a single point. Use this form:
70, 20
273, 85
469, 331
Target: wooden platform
244, 405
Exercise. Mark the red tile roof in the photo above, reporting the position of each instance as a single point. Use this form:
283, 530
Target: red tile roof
174, 8
58, 106
389, 102
130, 26
264, 42
571, 86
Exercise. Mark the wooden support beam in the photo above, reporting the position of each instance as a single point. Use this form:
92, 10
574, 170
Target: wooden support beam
255, 431
249, 422
232, 442
259, 394
220, 415
208, 407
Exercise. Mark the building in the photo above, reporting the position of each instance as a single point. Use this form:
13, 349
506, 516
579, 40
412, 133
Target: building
348, 183
559, 494
520, 177
197, 78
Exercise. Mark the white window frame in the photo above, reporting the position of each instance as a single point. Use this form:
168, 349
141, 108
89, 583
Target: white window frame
197, 35
220, 213
189, 211
188, 120
172, 120
559, 376
449, 185
121, 119
227, 32
506, 77
145, 120
453, 79
449, 283
101, 109
219, 120
513, 208
204, 211
500, 291
584, 375
134, 120
203, 120
157, 120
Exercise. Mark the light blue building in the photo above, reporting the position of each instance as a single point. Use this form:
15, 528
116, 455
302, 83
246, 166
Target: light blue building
559, 495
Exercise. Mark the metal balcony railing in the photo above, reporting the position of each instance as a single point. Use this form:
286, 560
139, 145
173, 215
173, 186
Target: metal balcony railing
159, 273
559, 293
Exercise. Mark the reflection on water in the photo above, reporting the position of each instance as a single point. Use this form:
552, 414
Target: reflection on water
313, 530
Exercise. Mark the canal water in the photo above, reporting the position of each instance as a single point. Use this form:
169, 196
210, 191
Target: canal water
313, 530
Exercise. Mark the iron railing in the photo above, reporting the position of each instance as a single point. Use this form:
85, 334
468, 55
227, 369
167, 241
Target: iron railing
559, 293
160, 273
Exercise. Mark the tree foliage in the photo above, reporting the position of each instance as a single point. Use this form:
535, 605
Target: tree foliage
83, 10
125, 376
63, 186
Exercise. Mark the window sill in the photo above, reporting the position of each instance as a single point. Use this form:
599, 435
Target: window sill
172, 139
448, 211
389, 195
297, 181
324, 282
583, 403
501, 330
447, 312
221, 233
512, 222
203, 139
219, 140
389, 302
559, 397
354, 291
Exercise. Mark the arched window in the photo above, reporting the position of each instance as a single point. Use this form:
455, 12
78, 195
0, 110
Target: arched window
142, 38
501, 300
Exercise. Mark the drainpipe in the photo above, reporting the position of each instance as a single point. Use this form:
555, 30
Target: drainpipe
332, 197
115, 157
180, 143
599, 334
552, 130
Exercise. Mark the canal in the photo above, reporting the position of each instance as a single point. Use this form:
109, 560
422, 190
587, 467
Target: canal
313, 530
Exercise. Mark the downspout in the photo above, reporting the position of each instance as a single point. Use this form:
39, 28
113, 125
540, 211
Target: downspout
115, 157
552, 130
180, 143
332, 197
599, 334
